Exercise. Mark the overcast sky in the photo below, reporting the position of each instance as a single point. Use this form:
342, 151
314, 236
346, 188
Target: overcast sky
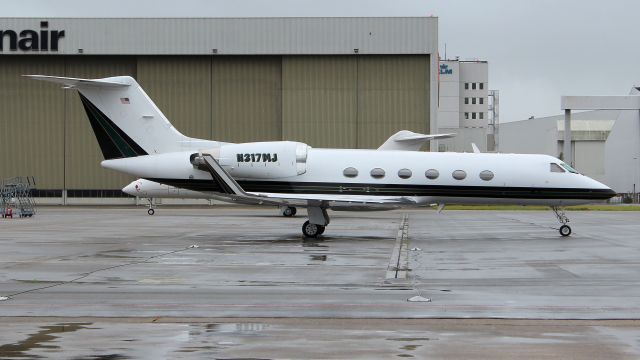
537, 49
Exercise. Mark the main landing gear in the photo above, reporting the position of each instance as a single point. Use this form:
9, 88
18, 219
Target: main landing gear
288, 211
318, 220
565, 230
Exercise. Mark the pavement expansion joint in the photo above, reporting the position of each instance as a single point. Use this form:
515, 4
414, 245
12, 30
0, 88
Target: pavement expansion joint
87, 274
399, 262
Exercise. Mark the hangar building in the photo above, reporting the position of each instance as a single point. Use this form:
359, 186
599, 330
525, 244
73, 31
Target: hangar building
328, 82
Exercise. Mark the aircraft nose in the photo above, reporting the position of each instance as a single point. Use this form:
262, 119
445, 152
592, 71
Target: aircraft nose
601, 190
132, 189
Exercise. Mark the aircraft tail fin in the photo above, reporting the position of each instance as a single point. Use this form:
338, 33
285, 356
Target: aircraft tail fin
124, 119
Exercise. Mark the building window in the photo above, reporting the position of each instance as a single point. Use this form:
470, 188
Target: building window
377, 173
404, 173
466, 116
480, 101
473, 86
459, 174
481, 85
481, 115
350, 172
466, 86
432, 174
466, 101
486, 175
473, 101
473, 116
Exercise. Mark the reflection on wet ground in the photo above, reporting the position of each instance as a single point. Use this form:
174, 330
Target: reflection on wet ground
42, 339
319, 339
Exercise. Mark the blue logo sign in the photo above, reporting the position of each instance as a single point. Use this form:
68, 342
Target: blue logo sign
444, 70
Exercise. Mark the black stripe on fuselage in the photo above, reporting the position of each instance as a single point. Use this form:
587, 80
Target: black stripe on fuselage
114, 143
283, 187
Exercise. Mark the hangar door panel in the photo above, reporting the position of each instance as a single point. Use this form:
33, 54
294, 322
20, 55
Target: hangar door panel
319, 104
393, 94
246, 98
31, 120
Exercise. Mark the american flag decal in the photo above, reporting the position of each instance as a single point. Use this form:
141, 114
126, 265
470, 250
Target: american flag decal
124, 100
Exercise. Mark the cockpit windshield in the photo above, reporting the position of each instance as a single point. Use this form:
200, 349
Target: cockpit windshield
553, 167
569, 168
562, 167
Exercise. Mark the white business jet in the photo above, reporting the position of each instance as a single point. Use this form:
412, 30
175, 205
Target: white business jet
137, 139
150, 190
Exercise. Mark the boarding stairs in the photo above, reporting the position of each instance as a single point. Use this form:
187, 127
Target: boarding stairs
16, 198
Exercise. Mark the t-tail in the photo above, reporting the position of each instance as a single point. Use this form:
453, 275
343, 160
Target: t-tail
124, 119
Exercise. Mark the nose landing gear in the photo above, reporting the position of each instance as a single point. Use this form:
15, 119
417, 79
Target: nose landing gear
565, 230
151, 211
288, 211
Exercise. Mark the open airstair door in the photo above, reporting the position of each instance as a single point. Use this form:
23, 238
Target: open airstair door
224, 181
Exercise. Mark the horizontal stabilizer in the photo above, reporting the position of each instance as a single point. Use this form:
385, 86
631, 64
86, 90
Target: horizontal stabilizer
409, 141
73, 82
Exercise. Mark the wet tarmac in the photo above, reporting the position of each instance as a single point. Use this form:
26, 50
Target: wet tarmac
228, 282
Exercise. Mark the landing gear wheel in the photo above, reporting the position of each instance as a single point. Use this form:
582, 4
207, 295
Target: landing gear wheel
565, 230
311, 230
151, 211
321, 229
289, 211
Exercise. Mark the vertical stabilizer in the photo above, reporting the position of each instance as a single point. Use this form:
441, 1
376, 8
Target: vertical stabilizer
124, 119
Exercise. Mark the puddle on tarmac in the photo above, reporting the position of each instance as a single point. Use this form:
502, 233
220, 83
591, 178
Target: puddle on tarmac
318, 257
205, 339
410, 339
39, 340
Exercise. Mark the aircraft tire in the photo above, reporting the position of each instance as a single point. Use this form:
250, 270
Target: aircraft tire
565, 230
294, 210
310, 230
321, 229
151, 211
289, 211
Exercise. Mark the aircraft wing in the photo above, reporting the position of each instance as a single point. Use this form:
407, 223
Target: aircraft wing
232, 191
409, 141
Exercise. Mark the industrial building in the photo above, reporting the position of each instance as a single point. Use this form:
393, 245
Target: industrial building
467, 107
328, 82
605, 144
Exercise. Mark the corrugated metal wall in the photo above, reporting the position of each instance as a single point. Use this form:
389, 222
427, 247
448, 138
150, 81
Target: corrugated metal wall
31, 121
393, 95
319, 100
325, 101
247, 103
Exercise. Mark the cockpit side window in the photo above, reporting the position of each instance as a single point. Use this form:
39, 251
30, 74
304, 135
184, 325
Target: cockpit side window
556, 168
569, 168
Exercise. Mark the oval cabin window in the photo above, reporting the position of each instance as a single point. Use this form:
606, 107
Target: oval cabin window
432, 174
486, 175
459, 174
350, 172
377, 173
404, 173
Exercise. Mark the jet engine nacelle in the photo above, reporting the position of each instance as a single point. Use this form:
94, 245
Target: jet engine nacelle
263, 160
